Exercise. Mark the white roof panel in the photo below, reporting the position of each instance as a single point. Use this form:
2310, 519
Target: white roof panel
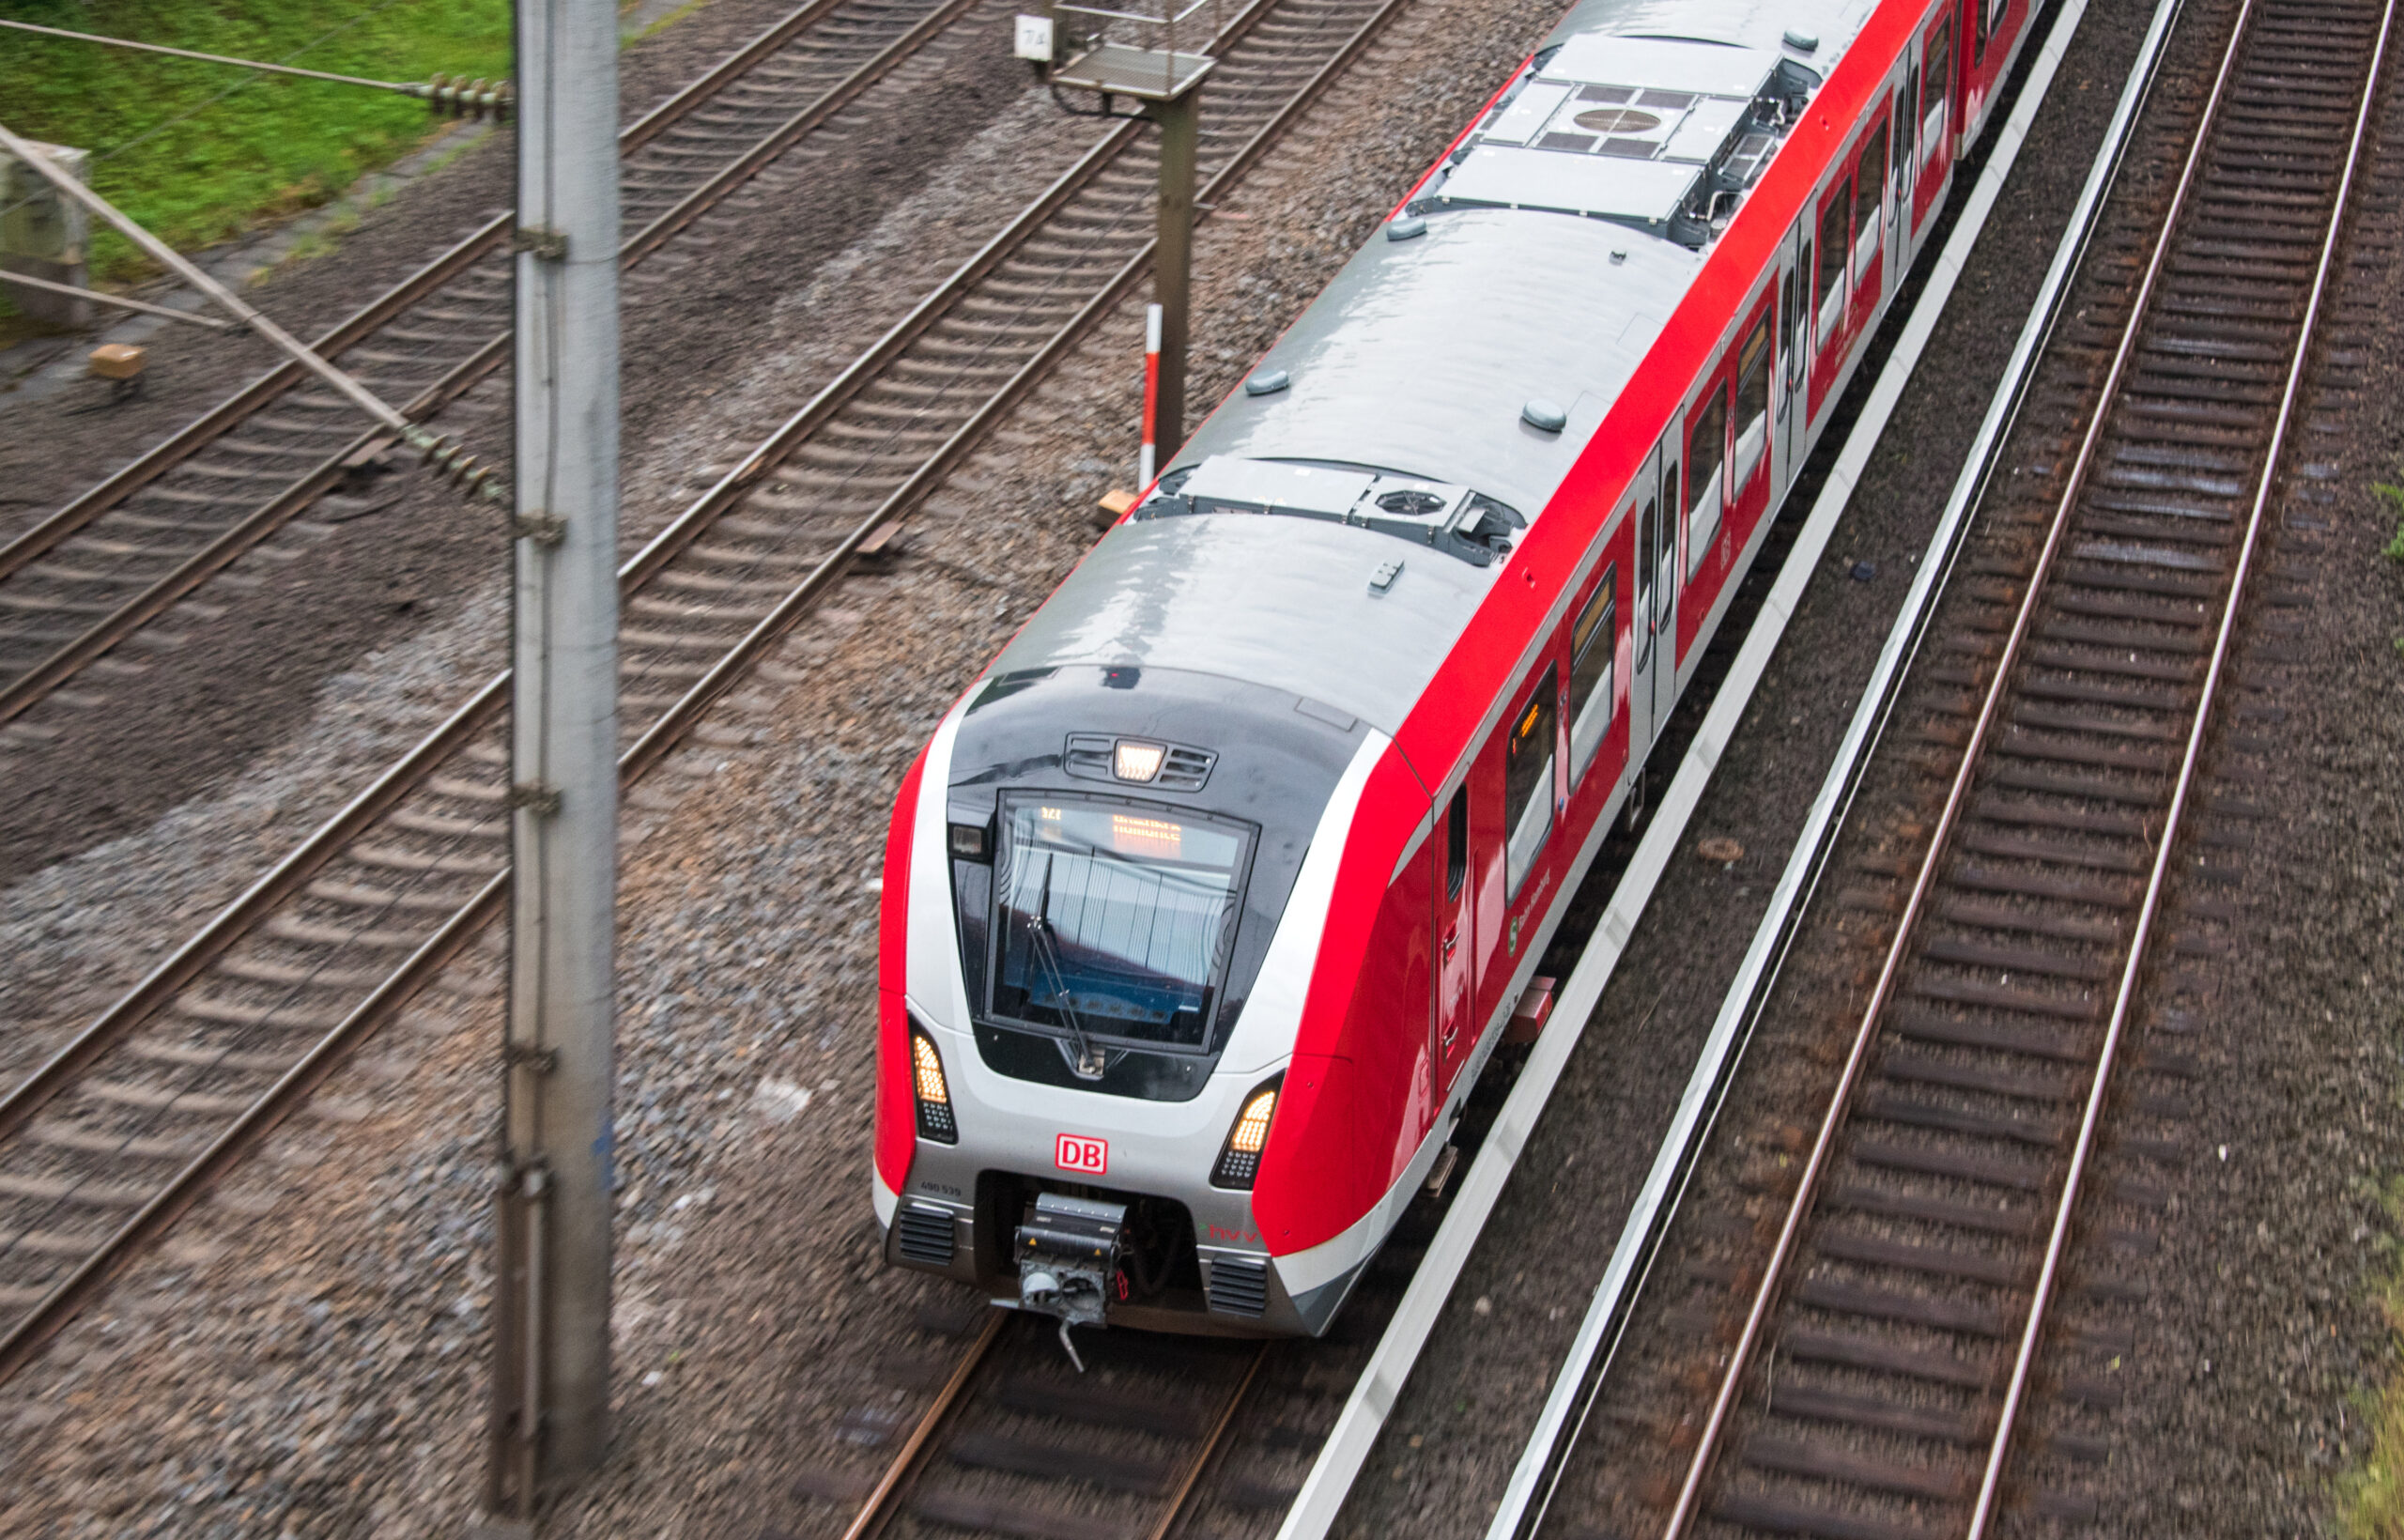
1705, 131
1604, 185
1526, 116
1663, 64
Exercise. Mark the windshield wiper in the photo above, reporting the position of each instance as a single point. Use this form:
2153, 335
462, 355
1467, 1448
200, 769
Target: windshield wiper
1088, 1064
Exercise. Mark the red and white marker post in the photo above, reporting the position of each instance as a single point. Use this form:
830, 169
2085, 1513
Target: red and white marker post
1146, 458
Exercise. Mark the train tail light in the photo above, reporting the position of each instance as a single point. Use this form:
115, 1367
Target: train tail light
934, 1097
1239, 1160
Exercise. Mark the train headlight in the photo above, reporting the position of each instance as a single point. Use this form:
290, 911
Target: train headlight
1138, 761
934, 1097
1239, 1160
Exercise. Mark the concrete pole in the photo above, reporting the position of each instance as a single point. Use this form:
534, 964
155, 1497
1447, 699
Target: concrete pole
552, 1380
1179, 123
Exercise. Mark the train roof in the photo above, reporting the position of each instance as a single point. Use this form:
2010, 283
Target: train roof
1284, 603
1744, 24
1526, 274
1423, 354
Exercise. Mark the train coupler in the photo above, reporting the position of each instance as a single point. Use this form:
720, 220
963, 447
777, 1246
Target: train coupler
1067, 1261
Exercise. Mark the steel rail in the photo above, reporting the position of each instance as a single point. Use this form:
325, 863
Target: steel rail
248, 315
873, 1510
238, 919
655, 741
255, 903
96, 641
2158, 878
1210, 1447
782, 137
1798, 1211
789, 435
877, 1510
195, 434
1578, 1386
181, 445
1315, 1510
277, 1102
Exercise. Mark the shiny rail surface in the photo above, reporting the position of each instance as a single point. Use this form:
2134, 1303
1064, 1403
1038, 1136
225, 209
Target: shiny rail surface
78, 584
1898, 1297
131, 1121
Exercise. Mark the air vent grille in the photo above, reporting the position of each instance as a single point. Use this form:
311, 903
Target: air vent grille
1090, 756
925, 1235
1239, 1287
1186, 769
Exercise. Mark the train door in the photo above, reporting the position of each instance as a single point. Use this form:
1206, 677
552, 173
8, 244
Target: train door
1834, 241
1992, 27
1515, 812
1652, 679
1907, 152
1870, 245
1455, 951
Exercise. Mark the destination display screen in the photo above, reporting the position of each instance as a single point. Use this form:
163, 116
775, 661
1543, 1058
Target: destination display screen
1114, 921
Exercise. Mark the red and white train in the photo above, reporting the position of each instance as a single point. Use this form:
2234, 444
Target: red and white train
1208, 901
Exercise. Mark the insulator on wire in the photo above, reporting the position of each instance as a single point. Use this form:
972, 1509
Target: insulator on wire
456, 465
456, 95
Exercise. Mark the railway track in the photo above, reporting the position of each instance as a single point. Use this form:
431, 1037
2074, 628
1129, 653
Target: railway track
1899, 1315
78, 584
1158, 1436
133, 1118
1016, 1443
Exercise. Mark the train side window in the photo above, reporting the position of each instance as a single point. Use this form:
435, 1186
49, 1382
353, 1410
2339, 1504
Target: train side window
1787, 308
1457, 845
1933, 116
1527, 782
1835, 226
1647, 526
1869, 199
1593, 652
1907, 121
1706, 452
1665, 559
1753, 404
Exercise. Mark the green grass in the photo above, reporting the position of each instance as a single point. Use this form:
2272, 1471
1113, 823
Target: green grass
198, 153
2394, 498
2371, 1497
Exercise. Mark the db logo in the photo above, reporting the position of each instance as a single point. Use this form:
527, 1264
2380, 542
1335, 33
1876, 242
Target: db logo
1075, 1153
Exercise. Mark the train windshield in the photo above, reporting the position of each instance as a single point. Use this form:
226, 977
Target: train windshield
1115, 919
